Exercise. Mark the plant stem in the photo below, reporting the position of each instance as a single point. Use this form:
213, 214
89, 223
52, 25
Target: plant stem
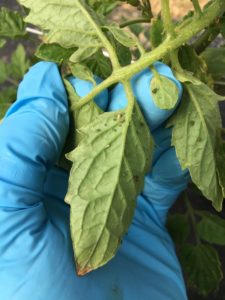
169, 29
191, 214
175, 61
103, 38
167, 20
170, 44
130, 98
197, 7
134, 21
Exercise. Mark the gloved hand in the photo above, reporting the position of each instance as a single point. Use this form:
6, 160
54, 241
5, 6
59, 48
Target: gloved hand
36, 257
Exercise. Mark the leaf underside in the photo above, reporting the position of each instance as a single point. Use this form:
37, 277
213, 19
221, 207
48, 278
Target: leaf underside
195, 139
71, 25
105, 179
202, 265
11, 24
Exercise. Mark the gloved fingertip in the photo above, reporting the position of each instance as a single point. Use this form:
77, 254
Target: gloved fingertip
177, 179
84, 87
43, 81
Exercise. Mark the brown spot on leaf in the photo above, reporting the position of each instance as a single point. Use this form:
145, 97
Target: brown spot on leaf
83, 271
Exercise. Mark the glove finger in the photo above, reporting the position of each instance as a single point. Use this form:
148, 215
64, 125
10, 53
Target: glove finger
162, 138
165, 182
83, 87
34, 130
154, 116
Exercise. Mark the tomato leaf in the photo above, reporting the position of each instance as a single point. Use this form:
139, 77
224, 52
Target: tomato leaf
79, 117
156, 32
195, 64
2, 42
215, 59
164, 91
54, 52
99, 65
73, 25
3, 71
178, 227
11, 24
102, 209
202, 265
121, 36
103, 7
83, 72
194, 136
211, 228
19, 63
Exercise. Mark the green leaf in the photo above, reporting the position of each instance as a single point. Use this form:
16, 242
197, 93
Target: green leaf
136, 29
178, 227
222, 27
83, 72
123, 53
156, 32
3, 109
202, 265
19, 63
11, 24
100, 65
54, 52
79, 117
220, 157
194, 136
102, 209
72, 25
215, 60
2, 42
164, 91
195, 64
121, 36
82, 54
132, 2
103, 7
8, 95
3, 71
211, 228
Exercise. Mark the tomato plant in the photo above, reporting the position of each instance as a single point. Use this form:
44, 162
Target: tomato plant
83, 41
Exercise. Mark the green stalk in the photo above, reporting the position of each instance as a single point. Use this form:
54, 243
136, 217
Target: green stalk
134, 21
170, 32
170, 44
103, 38
167, 20
197, 7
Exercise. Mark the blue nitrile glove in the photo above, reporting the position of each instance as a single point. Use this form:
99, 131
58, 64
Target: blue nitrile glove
36, 257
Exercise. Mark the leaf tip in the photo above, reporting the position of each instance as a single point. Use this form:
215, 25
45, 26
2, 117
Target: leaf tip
83, 271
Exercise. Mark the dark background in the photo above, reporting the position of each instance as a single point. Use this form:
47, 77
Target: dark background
198, 202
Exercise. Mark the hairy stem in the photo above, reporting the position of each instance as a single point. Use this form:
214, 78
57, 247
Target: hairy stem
197, 7
169, 29
167, 20
103, 38
170, 44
